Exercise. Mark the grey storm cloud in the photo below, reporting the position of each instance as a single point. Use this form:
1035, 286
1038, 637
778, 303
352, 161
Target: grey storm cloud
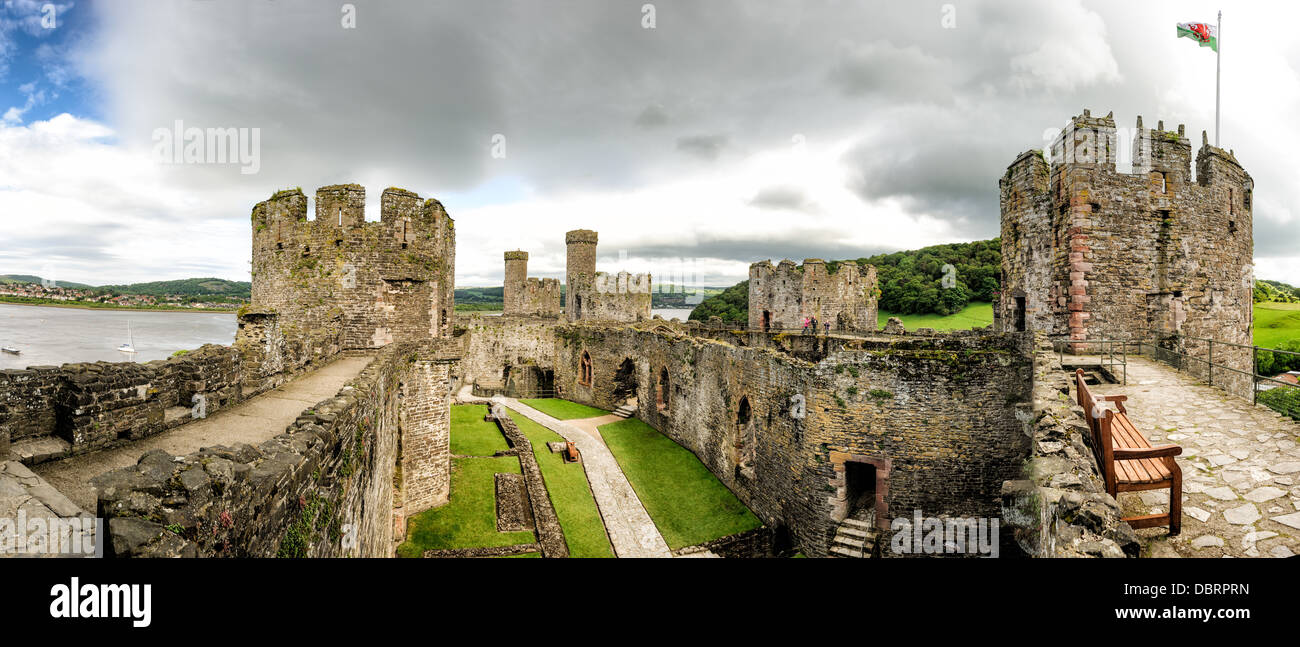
706, 147
587, 99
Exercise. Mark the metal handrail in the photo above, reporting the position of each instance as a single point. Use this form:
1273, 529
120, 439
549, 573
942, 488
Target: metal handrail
1255, 377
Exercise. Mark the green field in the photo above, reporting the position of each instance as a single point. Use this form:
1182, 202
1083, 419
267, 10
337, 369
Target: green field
686, 502
471, 435
469, 519
563, 409
1276, 323
584, 531
975, 315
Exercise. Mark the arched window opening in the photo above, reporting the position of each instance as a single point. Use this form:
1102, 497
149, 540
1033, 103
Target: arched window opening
584, 370
662, 395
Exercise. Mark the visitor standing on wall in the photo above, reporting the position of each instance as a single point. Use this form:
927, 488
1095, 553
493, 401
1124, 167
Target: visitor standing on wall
805, 325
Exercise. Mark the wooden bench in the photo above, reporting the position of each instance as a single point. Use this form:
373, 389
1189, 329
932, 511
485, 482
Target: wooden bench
1128, 462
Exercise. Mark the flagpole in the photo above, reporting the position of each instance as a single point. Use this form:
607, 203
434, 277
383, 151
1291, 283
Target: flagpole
1218, 56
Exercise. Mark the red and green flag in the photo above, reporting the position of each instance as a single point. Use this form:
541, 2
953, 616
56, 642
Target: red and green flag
1205, 34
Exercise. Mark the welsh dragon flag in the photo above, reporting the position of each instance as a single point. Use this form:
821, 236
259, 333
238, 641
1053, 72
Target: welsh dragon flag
1205, 34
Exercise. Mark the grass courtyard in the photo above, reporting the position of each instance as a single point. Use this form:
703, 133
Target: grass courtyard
687, 503
974, 315
584, 531
468, 520
563, 409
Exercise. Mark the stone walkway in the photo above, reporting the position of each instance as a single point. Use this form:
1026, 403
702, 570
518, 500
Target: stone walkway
252, 421
1240, 462
630, 529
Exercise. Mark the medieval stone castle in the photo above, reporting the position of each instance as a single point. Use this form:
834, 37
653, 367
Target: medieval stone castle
807, 430
1090, 253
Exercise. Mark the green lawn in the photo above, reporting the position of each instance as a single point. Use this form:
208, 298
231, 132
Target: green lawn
563, 409
584, 531
1276, 323
974, 315
686, 502
471, 435
469, 519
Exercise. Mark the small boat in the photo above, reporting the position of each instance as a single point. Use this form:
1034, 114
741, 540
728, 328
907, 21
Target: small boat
129, 346
10, 349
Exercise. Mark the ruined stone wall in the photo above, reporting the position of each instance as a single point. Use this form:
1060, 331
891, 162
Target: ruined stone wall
1058, 506
935, 415
600, 296
92, 406
781, 297
339, 282
528, 296
1129, 253
497, 348
328, 487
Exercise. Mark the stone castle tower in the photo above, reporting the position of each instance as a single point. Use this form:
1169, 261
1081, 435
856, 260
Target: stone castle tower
781, 297
339, 282
525, 296
1089, 253
592, 295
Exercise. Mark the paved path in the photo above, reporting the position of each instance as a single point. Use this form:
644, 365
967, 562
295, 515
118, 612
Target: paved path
1240, 462
252, 421
630, 529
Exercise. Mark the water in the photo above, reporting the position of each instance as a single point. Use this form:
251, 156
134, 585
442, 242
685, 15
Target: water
53, 336
669, 313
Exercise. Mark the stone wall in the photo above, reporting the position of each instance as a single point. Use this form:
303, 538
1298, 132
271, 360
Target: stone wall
600, 296
501, 349
92, 406
781, 297
773, 415
1058, 506
1092, 253
327, 487
525, 296
340, 282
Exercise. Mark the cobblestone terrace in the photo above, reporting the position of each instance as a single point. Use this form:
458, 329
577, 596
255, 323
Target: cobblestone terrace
1241, 467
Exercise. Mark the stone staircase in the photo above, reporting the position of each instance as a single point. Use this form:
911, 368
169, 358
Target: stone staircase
854, 539
627, 409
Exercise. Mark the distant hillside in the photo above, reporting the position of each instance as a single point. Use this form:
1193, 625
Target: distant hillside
910, 281
1278, 291
28, 278
186, 287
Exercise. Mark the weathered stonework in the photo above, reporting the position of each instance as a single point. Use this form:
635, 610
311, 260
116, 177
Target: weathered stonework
1090, 253
598, 296
327, 487
777, 417
1058, 505
529, 297
338, 282
781, 297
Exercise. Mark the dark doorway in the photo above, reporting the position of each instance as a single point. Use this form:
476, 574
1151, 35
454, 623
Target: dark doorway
767, 321
1020, 314
662, 393
745, 438
860, 484
625, 381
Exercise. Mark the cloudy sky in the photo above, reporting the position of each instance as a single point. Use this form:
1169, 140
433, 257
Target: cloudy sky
729, 132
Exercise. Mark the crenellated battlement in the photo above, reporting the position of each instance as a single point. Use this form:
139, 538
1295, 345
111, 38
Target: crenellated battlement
337, 282
528, 297
1089, 252
600, 296
842, 294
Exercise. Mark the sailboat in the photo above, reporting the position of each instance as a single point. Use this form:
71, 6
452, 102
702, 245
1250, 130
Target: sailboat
129, 346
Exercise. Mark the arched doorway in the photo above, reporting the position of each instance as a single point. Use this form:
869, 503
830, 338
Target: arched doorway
625, 381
